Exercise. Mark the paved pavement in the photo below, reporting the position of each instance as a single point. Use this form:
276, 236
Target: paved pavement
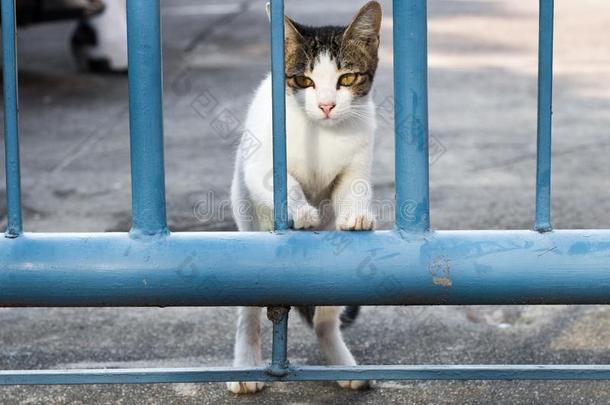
482, 119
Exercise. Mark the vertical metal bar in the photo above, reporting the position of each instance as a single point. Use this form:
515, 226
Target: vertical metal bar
545, 112
279, 348
146, 117
279, 315
11, 121
411, 115
280, 192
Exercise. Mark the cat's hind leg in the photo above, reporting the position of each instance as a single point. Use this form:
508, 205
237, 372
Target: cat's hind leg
327, 325
247, 348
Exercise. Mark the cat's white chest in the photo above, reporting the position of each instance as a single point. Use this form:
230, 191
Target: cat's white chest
317, 155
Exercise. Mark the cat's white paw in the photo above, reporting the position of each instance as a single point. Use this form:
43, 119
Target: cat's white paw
306, 217
354, 384
245, 387
356, 221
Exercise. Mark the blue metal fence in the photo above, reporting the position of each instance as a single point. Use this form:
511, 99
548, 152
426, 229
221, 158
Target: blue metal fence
11, 128
145, 267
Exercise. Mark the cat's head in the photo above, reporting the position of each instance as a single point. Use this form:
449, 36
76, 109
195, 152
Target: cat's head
330, 70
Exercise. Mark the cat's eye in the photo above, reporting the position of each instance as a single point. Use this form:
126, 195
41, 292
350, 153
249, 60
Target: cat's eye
303, 81
348, 79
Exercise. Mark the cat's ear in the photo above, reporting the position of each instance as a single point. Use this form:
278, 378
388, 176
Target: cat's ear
366, 25
291, 32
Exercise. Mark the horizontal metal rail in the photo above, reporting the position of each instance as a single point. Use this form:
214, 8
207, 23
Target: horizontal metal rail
306, 373
302, 268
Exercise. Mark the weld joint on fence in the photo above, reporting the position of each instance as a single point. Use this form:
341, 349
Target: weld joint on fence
10, 234
142, 234
544, 228
408, 234
277, 314
281, 370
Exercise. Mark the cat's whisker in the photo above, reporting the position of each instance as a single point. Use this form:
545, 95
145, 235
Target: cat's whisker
365, 115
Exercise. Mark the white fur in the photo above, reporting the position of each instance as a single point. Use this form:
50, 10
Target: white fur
329, 159
111, 30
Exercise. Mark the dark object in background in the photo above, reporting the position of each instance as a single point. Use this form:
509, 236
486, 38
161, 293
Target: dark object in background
85, 37
98, 42
37, 11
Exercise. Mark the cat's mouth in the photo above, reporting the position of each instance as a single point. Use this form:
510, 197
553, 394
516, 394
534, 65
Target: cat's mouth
329, 121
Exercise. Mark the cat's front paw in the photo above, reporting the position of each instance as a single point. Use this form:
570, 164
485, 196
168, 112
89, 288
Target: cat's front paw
356, 221
306, 217
355, 384
245, 387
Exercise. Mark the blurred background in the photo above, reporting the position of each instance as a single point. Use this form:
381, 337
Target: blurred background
483, 86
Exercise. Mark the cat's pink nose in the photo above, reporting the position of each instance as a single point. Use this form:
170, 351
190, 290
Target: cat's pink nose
327, 108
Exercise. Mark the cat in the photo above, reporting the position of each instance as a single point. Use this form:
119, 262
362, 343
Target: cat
330, 127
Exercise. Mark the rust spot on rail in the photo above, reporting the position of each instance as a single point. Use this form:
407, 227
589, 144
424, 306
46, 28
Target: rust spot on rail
440, 269
442, 281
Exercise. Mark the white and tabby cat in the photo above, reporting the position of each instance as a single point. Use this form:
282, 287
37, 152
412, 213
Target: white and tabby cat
330, 130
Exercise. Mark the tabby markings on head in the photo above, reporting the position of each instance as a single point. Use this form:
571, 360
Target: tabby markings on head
353, 49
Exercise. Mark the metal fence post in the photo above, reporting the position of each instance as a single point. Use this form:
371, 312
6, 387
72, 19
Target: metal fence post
11, 121
146, 117
411, 115
545, 113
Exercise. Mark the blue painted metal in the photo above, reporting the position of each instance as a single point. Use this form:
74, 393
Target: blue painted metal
11, 120
279, 315
146, 117
279, 352
411, 115
385, 268
545, 99
307, 373
292, 268
280, 185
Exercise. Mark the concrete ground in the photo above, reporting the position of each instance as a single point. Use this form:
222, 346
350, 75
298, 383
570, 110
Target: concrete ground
483, 128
